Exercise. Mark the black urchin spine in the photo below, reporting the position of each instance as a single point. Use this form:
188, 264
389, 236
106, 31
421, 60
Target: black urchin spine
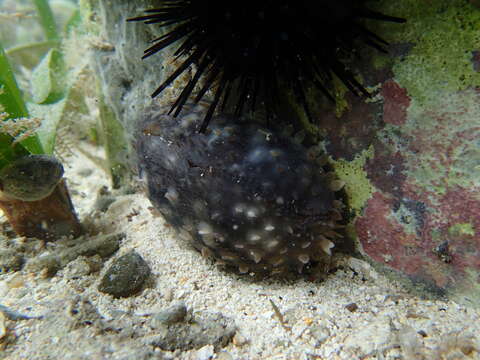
251, 49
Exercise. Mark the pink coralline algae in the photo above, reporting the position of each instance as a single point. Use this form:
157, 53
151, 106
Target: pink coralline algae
396, 103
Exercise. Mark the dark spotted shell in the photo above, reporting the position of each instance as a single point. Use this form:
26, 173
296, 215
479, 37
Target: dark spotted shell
240, 193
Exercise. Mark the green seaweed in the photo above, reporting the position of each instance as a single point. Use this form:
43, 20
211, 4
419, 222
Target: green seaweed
49, 79
115, 144
13, 107
47, 20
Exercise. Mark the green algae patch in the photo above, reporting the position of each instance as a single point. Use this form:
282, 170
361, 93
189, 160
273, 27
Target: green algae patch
447, 134
443, 34
461, 229
357, 185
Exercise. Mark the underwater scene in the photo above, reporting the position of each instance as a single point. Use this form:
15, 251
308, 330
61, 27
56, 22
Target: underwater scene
264, 179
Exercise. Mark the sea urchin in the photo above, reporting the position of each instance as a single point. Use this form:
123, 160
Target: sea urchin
247, 51
243, 195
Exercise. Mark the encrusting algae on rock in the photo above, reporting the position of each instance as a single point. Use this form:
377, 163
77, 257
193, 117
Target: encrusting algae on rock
244, 195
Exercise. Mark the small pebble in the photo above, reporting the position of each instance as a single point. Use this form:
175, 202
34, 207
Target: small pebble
173, 314
352, 307
126, 276
77, 268
422, 333
204, 329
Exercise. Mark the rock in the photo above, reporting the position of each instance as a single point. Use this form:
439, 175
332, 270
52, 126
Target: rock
174, 314
406, 196
125, 276
102, 245
30, 178
204, 329
352, 307
10, 260
82, 266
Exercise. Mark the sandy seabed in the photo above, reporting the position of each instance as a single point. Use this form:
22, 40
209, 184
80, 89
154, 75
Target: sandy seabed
353, 313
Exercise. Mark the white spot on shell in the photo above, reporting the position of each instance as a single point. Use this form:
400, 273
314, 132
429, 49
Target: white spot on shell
239, 246
239, 208
256, 256
254, 237
269, 227
235, 227
326, 245
172, 195
271, 244
204, 228
304, 258
172, 157
252, 213
306, 245
280, 200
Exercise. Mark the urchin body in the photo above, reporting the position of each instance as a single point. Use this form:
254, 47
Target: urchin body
241, 194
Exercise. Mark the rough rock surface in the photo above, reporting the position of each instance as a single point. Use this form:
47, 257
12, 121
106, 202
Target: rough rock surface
125, 276
409, 156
